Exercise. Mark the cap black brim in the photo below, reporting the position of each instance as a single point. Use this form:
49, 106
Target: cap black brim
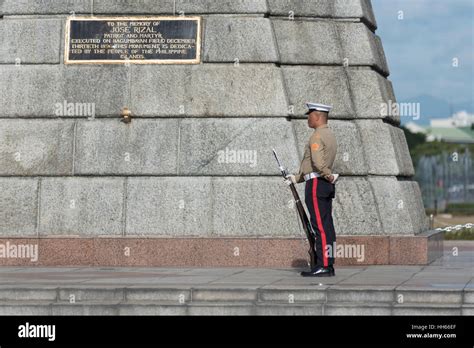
310, 111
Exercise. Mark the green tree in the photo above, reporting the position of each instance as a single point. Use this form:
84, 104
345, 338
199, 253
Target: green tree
413, 139
420, 147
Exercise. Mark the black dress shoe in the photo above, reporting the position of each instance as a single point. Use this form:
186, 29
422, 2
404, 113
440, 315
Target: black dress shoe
331, 269
318, 272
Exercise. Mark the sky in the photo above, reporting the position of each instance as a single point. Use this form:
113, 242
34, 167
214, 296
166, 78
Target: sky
420, 49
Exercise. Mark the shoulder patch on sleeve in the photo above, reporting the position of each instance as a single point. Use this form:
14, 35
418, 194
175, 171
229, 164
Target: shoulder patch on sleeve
315, 147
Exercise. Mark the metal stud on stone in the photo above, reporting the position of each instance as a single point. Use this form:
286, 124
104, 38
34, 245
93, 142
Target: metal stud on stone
126, 115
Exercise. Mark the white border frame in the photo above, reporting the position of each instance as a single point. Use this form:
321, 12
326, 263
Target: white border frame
197, 60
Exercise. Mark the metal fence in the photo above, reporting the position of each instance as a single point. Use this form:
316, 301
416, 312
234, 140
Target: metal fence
446, 178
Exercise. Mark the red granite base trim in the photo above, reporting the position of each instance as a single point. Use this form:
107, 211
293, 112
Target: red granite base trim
285, 253
416, 250
216, 252
408, 251
375, 252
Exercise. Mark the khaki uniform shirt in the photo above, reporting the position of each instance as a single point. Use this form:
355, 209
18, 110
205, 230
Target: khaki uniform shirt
319, 154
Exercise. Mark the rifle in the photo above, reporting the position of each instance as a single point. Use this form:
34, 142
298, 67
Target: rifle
301, 213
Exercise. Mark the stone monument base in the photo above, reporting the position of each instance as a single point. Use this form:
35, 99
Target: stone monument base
215, 252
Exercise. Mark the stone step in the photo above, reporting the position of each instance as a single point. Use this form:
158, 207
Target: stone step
228, 308
427, 309
305, 294
217, 300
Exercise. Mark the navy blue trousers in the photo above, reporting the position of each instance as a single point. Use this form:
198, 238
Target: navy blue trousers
319, 194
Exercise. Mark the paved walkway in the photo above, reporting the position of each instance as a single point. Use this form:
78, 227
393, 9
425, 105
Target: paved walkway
449, 272
443, 287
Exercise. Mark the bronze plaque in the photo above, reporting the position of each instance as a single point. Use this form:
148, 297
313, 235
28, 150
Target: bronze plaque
136, 40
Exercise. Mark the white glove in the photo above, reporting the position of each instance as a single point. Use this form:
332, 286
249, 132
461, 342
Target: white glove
290, 179
334, 178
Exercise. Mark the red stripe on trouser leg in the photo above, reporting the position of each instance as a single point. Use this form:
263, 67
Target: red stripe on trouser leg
320, 224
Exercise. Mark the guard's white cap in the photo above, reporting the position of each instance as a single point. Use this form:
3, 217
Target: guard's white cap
318, 107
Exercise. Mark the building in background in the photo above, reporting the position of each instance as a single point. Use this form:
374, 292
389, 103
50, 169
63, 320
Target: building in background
447, 177
458, 129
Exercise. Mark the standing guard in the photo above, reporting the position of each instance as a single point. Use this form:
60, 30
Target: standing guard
316, 171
